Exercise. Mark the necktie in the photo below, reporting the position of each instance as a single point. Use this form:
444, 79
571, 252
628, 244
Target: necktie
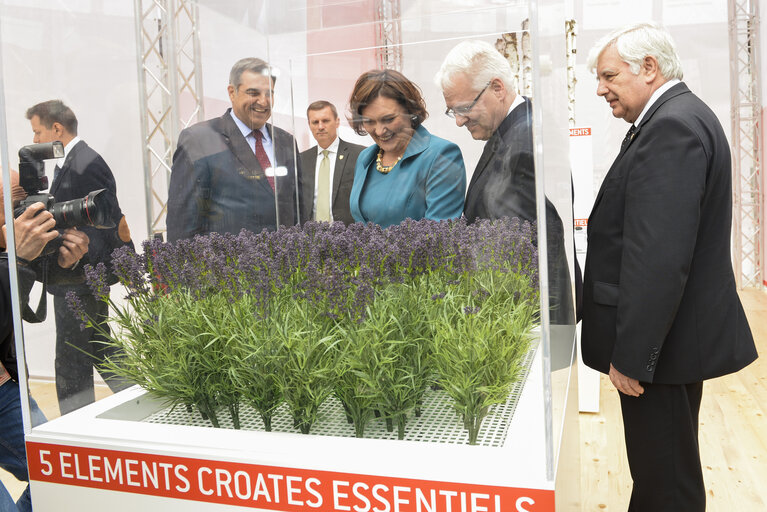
628, 137
262, 157
56, 171
322, 211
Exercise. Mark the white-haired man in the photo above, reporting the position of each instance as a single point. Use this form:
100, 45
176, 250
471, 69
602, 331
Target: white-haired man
660, 309
478, 86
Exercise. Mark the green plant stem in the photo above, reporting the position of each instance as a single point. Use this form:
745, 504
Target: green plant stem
234, 412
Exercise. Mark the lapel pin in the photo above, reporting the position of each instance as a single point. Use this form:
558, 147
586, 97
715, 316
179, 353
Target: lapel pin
340, 157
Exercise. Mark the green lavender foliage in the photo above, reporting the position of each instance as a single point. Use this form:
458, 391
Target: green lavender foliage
305, 361
374, 316
350, 388
389, 357
477, 352
254, 358
175, 349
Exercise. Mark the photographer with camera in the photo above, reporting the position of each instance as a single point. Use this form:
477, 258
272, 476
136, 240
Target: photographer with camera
80, 172
33, 231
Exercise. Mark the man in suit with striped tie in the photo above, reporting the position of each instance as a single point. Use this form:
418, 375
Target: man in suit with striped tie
236, 171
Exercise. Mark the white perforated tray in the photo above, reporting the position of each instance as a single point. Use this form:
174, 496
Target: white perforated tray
438, 423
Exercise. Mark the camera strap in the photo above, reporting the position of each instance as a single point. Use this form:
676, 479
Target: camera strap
40, 314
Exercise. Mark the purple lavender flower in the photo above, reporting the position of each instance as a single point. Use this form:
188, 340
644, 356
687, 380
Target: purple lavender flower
96, 279
78, 309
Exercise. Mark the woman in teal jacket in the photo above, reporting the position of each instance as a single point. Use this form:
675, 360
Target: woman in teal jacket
408, 172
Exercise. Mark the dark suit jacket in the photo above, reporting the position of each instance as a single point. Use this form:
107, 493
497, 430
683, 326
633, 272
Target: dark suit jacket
659, 294
503, 185
217, 184
343, 177
7, 344
83, 172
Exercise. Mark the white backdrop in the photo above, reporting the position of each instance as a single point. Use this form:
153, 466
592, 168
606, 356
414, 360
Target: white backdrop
84, 52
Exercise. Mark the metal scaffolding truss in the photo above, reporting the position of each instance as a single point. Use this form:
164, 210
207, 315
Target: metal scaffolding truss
170, 88
388, 35
746, 110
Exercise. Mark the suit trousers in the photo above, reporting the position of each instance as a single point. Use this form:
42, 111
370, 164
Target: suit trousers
78, 351
661, 431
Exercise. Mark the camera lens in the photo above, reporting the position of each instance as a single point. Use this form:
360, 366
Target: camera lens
92, 210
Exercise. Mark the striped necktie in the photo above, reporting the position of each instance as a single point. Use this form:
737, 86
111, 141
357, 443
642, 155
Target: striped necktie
263, 158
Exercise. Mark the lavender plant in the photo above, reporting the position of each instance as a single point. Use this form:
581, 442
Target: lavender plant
477, 353
306, 360
294, 315
390, 362
255, 359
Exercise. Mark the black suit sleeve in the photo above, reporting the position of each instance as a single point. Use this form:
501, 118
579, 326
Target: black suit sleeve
519, 180
307, 184
7, 347
662, 213
186, 193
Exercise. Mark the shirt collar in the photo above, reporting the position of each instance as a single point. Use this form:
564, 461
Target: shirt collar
333, 148
67, 150
657, 94
246, 130
518, 100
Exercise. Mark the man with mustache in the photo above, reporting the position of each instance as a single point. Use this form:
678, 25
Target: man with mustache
236, 171
328, 167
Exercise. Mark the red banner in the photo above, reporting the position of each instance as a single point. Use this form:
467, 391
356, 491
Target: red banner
269, 487
579, 132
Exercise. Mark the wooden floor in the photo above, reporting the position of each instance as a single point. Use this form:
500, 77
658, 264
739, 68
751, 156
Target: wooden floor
733, 436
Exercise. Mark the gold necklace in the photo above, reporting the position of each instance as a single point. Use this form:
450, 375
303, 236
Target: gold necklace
385, 169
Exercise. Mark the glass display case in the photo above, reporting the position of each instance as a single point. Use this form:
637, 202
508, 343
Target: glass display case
151, 88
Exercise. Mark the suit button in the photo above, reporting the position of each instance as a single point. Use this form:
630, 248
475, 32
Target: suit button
653, 357
649, 367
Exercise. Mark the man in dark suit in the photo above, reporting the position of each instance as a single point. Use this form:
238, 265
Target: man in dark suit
477, 83
237, 171
661, 312
80, 172
331, 161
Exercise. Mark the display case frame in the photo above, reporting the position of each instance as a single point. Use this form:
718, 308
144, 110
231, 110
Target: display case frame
543, 432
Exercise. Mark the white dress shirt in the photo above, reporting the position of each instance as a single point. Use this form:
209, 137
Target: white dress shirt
251, 139
67, 149
657, 94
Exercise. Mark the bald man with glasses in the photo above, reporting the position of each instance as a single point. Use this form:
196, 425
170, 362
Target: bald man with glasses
477, 83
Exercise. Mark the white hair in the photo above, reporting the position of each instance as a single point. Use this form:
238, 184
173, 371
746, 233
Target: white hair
634, 43
479, 60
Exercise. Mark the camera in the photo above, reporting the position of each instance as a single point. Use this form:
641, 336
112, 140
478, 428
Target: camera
92, 210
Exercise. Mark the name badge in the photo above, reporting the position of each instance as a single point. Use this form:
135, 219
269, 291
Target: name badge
280, 170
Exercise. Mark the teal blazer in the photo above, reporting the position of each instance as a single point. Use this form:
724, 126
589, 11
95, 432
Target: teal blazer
428, 183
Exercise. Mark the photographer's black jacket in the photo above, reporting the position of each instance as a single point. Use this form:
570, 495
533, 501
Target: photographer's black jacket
84, 171
7, 347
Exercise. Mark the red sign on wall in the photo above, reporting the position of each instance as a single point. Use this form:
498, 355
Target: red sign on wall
269, 487
580, 132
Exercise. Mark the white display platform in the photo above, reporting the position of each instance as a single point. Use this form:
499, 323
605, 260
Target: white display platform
92, 456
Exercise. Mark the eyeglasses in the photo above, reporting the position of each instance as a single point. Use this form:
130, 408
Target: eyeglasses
464, 111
